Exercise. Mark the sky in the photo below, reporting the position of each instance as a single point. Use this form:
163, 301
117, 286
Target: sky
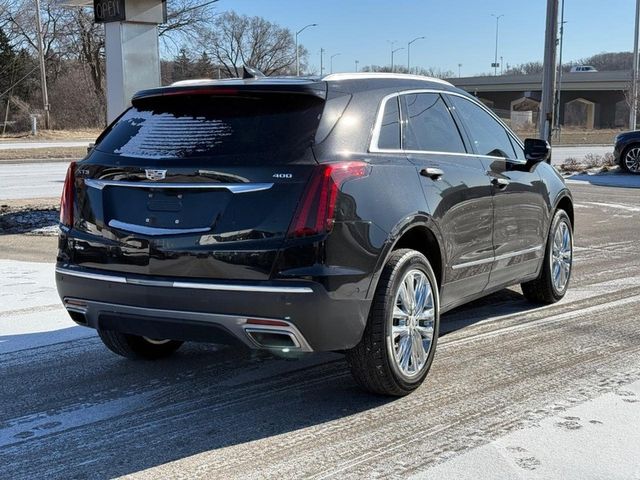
456, 31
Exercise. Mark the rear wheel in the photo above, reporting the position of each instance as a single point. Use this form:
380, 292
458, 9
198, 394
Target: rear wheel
137, 348
399, 341
553, 281
630, 161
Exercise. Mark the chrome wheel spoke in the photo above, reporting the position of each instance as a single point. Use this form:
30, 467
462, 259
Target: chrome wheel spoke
412, 323
561, 256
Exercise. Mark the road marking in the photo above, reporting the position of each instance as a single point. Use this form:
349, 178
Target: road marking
615, 206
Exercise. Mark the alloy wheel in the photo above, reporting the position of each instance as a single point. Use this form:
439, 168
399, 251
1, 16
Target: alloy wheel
561, 256
412, 323
632, 160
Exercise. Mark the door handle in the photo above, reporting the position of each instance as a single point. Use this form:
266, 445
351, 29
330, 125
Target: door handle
500, 183
432, 172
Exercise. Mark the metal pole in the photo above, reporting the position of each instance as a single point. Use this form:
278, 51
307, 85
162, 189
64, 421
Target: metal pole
549, 71
409, 52
321, 61
392, 53
495, 61
297, 52
43, 71
331, 61
557, 107
633, 114
357, 62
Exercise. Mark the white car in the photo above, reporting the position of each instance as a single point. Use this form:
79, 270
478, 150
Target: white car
583, 68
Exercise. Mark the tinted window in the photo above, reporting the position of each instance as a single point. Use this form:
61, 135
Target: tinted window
390, 129
518, 149
271, 126
430, 126
488, 136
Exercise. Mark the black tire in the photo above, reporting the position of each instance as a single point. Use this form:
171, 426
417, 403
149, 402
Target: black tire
372, 363
135, 347
542, 289
623, 163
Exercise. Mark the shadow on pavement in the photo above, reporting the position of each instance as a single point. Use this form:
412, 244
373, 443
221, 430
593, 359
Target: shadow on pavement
107, 416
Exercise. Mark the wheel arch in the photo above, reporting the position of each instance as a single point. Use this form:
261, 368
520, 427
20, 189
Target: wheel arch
420, 233
564, 201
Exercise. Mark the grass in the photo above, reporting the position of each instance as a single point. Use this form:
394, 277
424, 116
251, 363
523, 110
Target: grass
36, 154
79, 134
578, 136
600, 163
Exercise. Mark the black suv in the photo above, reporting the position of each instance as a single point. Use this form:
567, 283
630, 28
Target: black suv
343, 213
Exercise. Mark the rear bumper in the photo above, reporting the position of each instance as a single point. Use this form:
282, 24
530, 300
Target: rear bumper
302, 311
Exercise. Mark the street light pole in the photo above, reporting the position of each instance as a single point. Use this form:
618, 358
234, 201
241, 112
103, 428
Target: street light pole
495, 62
557, 109
43, 71
633, 114
409, 52
459, 70
321, 61
392, 53
357, 62
549, 71
331, 62
297, 52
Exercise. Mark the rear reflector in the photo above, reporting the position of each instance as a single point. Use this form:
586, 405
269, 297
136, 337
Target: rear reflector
316, 211
260, 321
68, 193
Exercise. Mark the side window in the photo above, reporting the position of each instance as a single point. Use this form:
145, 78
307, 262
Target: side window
389, 137
430, 126
488, 136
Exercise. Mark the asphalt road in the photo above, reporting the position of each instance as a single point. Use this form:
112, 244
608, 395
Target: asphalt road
505, 373
44, 180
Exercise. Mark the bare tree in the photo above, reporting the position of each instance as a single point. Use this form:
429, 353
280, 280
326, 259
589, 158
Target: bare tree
236, 40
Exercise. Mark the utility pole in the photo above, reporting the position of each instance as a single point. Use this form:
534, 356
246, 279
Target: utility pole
557, 108
392, 53
331, 61
43, 71
409, 52
495, 61
549, 71
357, 62
633, 114
297, 52
321, 61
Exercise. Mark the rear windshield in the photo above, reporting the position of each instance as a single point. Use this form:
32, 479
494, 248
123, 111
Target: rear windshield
182, 126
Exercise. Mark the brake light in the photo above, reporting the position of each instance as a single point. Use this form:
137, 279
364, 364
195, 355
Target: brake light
68, 193
316, 211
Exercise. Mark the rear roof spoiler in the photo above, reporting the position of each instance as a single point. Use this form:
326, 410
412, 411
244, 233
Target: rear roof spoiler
238, 86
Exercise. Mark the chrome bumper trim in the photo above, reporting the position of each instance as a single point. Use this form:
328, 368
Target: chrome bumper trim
182, 284
232, 187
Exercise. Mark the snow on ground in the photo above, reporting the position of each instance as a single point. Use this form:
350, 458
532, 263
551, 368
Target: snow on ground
31, 314
593, 440
613, 179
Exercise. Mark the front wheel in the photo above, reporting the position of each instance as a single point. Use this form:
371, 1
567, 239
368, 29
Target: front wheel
399, 341
630, 161
136, 347
553, 281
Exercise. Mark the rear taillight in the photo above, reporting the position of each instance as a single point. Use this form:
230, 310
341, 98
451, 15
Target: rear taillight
316, 210
68, 192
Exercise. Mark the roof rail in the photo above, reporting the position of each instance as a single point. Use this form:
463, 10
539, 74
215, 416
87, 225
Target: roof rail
365, 75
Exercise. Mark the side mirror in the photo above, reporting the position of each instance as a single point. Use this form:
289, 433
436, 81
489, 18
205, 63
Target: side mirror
537, 150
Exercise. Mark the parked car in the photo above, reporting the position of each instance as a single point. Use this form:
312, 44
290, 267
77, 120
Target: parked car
626, 151
343, 213
583, 68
